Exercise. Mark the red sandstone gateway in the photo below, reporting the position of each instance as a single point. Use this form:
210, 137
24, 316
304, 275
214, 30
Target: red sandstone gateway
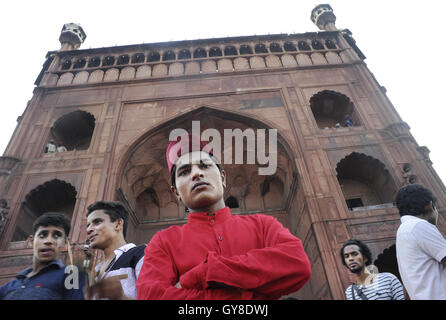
114, 108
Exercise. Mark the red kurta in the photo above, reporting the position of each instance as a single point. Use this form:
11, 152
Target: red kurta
223, 257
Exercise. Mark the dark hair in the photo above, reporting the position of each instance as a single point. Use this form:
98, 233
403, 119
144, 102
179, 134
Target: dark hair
54, 219
115, 210
413, 199
365, 251
172, 174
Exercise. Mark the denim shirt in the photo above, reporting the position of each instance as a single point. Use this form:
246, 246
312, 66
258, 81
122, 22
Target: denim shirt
48, 284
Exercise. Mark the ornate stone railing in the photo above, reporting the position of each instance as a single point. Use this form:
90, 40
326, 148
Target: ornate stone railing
96, 67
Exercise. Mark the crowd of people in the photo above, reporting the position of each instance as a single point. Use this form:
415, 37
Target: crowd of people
203, 259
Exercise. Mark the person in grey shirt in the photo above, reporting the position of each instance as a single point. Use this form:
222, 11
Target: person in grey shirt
356, 257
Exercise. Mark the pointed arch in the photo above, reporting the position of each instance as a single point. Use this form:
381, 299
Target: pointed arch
365, 181
387, 261
74, 130
52, 196
333, 109
143, 167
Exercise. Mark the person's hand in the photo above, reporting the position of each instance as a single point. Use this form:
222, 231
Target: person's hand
195, 277
78, 257
109, 288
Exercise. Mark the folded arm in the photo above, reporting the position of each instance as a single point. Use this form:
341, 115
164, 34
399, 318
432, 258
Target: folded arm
281, 267
158, 277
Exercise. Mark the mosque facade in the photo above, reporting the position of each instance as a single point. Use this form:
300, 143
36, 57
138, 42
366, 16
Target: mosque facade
342, 150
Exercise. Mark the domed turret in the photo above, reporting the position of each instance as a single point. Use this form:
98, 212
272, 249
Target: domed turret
324, 18
71, 36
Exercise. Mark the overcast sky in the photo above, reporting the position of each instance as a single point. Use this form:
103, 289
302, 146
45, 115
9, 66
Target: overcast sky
403, 41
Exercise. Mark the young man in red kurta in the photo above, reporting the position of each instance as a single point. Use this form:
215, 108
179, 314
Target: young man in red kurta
217, 255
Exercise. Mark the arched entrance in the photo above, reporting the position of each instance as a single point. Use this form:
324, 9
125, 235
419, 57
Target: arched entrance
52, 196
364, 181
73, 130
144, 182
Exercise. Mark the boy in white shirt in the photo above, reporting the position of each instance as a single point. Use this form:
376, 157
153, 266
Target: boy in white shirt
116, 275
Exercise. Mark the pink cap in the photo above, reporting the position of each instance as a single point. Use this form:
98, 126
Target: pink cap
183, 145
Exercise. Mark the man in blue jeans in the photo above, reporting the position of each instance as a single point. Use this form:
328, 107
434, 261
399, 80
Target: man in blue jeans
48, 278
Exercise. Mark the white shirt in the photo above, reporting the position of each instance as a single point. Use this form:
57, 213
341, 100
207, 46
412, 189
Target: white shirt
129, 284
50, 148
420, 247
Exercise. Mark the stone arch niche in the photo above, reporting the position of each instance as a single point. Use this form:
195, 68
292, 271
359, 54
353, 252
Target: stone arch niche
144, 183
52, 196
332, 109
365, 181
74, 130
387, 261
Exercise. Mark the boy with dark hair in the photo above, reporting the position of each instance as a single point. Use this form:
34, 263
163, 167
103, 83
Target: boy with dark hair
48, 278
420, 247
356, 256
217, 255
106, 231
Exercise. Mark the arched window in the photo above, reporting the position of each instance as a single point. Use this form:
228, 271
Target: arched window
200, 53
260, 48
275, 47
289, 46
94, 62
332, 109
245, 49
215, 52
123, 59
303, 45
232, 202
317, 45
387, 261
153, 56
52, 196
148, 203
230, 51
108, 61
74, 130
330, 44
66, 64
80, 63
169, 55
157, 203
138, 58
272, 191
184, 54
365, 181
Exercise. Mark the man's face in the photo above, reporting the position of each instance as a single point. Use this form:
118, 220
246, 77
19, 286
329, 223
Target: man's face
353, 258
101, 230
47, 243
199, 182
